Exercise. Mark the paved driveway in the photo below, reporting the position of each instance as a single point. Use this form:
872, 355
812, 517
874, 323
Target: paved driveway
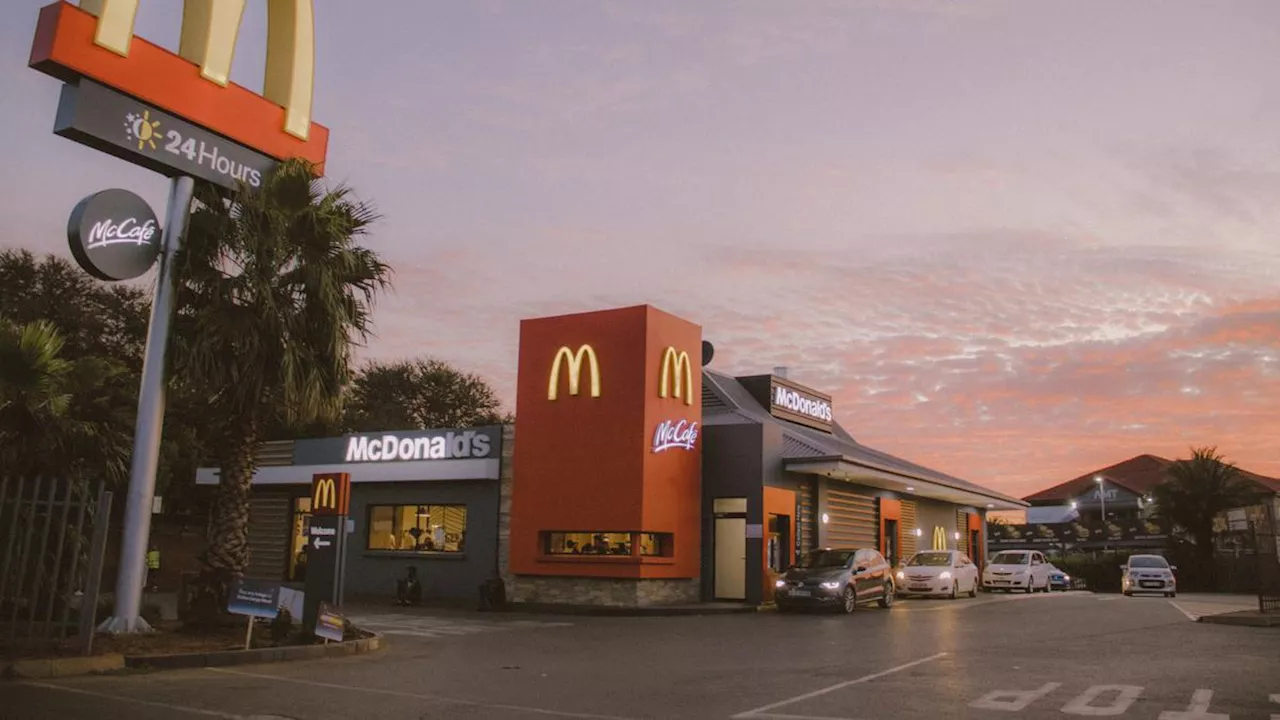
1039, 656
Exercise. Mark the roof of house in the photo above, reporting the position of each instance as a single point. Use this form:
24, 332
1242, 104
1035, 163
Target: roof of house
726, 401
1138, 475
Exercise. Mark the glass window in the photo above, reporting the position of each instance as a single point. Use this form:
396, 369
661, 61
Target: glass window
932, 558
827, 559
607, 543
1148, 561
418, 528
298, 541
1011, 558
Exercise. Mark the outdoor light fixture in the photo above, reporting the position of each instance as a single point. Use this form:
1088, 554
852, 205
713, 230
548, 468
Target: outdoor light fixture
990, 505
957, 535
919, 532
825, 518
910, 489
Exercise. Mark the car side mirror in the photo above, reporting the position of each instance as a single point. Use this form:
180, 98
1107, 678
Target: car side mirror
1124, 568
1173, 568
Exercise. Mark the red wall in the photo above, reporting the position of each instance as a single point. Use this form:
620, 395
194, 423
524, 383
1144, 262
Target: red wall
585, 463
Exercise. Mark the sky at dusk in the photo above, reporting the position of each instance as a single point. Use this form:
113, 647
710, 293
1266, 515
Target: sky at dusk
1017, 240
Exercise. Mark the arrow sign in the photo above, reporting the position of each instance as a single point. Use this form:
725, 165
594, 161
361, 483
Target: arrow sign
321, 543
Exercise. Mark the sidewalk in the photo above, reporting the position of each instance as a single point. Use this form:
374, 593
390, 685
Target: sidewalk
1222, 609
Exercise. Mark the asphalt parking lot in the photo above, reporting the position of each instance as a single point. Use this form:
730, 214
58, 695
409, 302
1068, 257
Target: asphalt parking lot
1037, 656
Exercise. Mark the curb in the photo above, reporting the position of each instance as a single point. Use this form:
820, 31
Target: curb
226, 658
1240, 620
64, 667
612, 611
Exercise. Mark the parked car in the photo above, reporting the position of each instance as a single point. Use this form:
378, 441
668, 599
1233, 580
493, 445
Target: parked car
938, 572
1058, 580
1010, 570
842, 578
1148, 573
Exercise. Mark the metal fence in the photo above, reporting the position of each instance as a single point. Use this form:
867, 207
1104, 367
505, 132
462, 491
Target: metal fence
1267, 544
54, 538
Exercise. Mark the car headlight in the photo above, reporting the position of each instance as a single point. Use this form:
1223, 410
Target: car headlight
831, 585
944, 576
1065, 577
901, 575
780, 583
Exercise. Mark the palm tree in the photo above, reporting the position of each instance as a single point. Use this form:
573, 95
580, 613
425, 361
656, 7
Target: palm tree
272, 293
1198, 490
59, 417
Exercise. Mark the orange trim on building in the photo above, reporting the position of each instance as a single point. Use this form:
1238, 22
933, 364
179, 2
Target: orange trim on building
64, 48
781, 502
586, 462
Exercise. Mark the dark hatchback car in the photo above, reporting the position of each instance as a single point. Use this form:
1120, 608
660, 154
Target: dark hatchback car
841, 578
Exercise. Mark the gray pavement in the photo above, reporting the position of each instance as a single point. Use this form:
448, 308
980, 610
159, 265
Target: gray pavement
1039, 656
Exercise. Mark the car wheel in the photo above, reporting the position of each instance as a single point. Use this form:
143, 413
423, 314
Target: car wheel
973, 589
955, 590
1031, 586
886, 600
850, 599
1128, 594
1173, 594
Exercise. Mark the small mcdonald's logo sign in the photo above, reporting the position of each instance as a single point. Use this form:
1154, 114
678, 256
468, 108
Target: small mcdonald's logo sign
330, 494
675, 368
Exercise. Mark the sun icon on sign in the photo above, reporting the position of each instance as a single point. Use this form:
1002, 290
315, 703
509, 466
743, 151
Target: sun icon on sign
142, 128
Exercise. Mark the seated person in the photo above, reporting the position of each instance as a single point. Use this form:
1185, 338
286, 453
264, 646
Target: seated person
408, 589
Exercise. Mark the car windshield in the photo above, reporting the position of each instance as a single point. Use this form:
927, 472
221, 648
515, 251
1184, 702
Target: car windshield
1007, 558
827, 559
1148, 562
931, 559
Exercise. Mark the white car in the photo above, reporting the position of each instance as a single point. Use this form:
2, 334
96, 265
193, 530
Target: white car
1010, 570
938, 572
1149, 573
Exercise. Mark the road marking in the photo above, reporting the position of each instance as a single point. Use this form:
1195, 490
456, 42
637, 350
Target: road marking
1190, 616
1013, 700
419, 696
135, 701
857, 681
1082, 704
1198, 709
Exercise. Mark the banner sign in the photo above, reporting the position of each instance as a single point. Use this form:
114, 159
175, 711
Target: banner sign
1074, 533
114, 235
330, 624
256, 598
144, 135
401, 446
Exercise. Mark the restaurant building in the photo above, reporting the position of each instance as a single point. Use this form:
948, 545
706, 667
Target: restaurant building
638, 477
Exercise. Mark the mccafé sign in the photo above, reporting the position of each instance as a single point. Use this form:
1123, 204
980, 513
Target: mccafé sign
675, 435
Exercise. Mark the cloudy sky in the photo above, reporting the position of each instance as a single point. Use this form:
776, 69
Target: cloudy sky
1017, 240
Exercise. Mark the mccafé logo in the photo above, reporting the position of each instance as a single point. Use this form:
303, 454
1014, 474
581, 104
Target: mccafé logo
671, 435
574, 362
330, 494
795, 402
209, 32
673, 364
468, 444
109, 232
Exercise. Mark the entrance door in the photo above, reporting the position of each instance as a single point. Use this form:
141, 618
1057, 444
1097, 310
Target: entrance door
891, 542
731, 558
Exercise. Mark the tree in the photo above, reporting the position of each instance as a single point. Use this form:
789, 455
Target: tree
1198, 490
58, 416
425, 393
272, 293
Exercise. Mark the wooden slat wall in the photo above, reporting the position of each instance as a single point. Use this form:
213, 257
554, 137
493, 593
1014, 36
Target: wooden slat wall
909, 546
270, 519
805, 534
853, 519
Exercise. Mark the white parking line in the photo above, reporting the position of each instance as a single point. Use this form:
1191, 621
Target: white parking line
124, 699
419, 696
1190, 616
760, 712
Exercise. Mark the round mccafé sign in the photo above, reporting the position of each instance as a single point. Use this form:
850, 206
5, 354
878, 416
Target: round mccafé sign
114, 235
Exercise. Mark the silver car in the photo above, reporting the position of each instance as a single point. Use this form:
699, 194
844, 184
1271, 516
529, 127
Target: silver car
1149, 574
841, 578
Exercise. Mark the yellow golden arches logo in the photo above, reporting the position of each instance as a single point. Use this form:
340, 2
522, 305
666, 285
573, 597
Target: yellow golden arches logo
209, 32
672, 364
939, 538
324, 496
574, 361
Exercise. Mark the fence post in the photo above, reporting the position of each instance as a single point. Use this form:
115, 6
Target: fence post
98, 549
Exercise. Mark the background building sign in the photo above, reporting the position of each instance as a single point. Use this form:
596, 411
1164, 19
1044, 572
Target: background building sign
114, 235
144, 135
673, 435
800, 404
330, 493
401, 446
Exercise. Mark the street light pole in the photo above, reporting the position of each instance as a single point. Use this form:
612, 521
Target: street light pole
1102, 496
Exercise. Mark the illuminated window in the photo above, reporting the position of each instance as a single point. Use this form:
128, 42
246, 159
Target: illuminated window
418, 528
607, 543
298, 541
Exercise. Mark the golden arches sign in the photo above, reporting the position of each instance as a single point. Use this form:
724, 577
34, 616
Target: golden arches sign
209, 32
674, 363
324, 496
939, 538
574, 361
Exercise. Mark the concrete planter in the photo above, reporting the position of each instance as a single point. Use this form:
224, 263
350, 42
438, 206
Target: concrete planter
224, 658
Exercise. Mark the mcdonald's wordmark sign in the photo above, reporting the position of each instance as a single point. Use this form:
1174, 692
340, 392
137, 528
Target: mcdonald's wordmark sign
330, 494
222, 123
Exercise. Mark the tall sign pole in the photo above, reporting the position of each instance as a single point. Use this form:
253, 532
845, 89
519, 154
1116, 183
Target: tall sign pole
149, 424
326, 543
